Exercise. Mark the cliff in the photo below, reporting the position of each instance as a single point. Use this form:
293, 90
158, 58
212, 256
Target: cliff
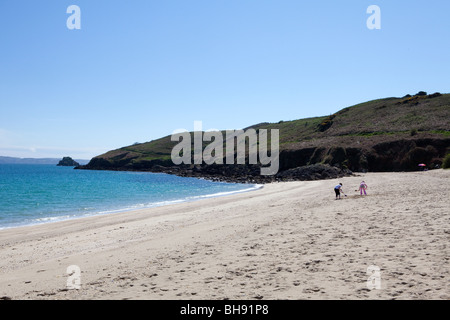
391, 134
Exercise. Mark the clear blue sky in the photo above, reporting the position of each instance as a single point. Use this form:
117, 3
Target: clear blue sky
137, 70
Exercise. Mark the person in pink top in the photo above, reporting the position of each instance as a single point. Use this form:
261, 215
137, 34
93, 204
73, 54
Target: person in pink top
362, 188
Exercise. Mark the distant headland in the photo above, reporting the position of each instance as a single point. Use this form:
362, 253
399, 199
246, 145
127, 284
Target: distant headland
49, 161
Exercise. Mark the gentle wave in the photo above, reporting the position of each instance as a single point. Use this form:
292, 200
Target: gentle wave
43, 220
220, 194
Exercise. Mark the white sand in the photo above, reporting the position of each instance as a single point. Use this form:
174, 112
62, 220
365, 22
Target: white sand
285, 241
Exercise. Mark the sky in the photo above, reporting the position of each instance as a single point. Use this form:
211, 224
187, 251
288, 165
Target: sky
139, 70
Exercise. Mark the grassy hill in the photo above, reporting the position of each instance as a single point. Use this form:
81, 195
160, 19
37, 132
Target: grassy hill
388, 134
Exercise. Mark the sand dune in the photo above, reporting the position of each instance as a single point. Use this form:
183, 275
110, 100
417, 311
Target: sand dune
288, 240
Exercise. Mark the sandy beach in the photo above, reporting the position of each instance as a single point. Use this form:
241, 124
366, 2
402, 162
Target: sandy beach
289, 240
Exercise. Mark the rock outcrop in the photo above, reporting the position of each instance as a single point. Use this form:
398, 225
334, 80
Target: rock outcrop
68, 162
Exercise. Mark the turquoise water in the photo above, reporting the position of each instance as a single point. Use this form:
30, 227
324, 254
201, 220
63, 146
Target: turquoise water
33, 194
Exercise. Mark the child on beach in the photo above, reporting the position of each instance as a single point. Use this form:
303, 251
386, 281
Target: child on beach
362, 188
338, 190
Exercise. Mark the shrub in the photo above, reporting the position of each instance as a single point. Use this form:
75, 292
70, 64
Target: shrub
326, 123
411, 99
446, 163
434, 95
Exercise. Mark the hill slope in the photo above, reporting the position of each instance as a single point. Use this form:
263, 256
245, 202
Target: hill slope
389, 134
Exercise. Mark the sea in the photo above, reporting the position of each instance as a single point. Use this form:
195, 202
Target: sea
35, 194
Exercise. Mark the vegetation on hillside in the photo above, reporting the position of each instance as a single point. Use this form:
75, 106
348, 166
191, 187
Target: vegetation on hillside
446, 162
385, 134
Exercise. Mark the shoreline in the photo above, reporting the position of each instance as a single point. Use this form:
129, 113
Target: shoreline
238, 174
144, 207
288, 240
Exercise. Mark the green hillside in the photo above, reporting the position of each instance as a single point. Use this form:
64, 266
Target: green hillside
366, 136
